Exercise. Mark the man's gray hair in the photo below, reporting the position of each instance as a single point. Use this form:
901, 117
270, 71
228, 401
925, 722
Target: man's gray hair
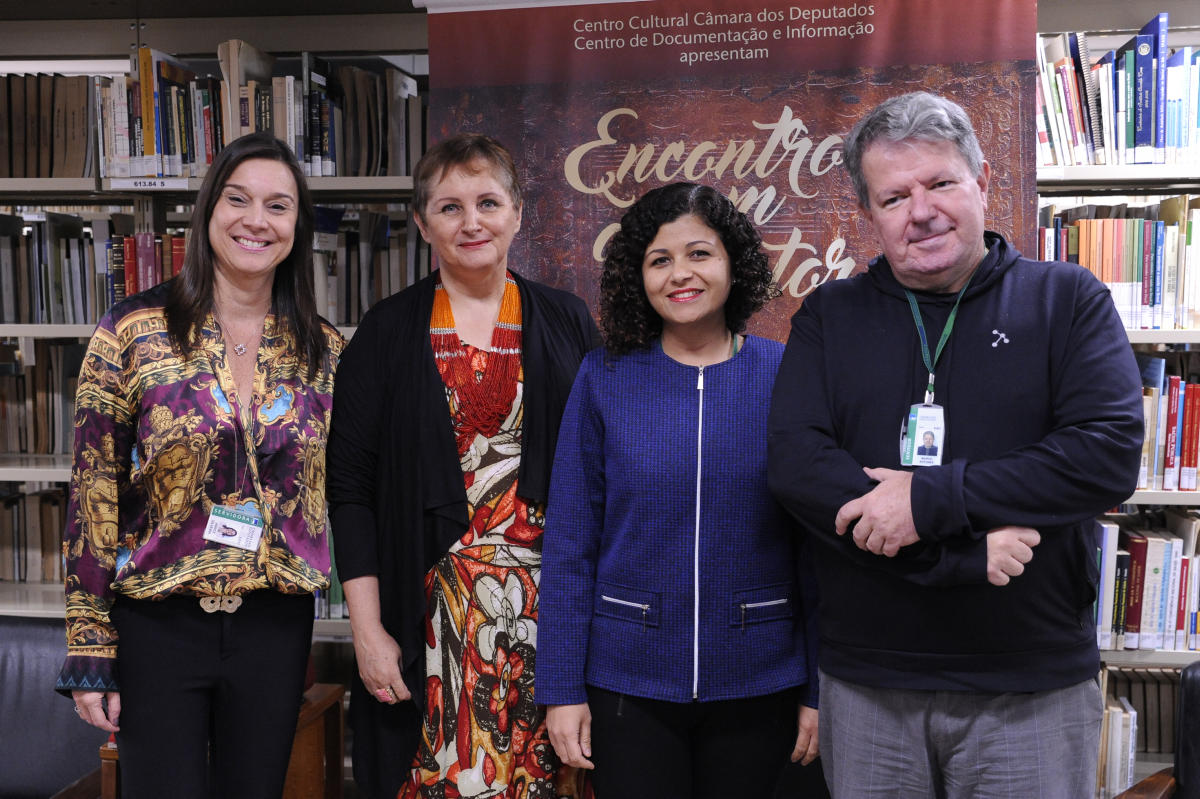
919, 115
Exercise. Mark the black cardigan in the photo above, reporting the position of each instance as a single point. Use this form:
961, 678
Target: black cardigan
395, 485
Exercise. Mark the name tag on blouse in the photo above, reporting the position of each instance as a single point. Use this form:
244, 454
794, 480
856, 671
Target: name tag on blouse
234, 527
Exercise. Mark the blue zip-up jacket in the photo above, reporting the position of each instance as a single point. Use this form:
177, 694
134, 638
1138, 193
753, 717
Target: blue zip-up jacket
668, 570
1043, 415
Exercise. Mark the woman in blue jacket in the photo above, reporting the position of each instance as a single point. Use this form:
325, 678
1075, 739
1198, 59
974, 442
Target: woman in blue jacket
677, 634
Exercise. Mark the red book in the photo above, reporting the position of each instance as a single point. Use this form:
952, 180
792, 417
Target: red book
145, 260
1170, 461
1135, 545
1191, 421
178, 250
1181, 616
1147, 256
160, 263
132, 285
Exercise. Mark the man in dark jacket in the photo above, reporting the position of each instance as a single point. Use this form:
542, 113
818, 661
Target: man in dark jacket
958, 646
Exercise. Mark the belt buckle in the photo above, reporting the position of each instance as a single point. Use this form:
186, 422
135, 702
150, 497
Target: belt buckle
225, 604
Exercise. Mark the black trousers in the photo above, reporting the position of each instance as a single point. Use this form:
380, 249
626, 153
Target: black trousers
209, 701
650, 749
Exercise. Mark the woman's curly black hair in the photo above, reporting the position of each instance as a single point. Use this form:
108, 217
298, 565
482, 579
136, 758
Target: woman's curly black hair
627, 320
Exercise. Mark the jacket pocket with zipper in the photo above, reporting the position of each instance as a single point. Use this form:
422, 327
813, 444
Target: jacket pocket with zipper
765, 603
641, 608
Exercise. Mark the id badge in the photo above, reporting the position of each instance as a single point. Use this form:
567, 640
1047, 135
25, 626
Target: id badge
923, 436
234, 527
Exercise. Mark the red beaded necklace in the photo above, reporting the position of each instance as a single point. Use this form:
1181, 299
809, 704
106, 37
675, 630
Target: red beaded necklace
484, 382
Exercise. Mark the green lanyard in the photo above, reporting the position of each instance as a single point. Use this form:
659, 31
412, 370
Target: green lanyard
916, 312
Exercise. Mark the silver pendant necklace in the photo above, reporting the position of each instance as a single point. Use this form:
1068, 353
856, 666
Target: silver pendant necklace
226, 333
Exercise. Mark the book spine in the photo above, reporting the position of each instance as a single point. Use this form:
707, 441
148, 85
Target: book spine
1157, 29
131, 267
211, 136
1170, 460
116, 255
1191, 423
1120, 598
1143, 81
328, 167
1181, 608
1153, 588
1136, 546
137, 131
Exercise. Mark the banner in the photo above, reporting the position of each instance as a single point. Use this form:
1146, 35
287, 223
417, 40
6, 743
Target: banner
601, 102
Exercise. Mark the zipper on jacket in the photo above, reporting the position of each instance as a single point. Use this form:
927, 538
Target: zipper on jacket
645, 608
766, 604
696, 544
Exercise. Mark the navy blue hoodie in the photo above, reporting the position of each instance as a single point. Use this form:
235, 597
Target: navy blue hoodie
1043, 429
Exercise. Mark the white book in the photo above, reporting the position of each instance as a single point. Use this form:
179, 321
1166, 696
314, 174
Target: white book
1187, 109
121, 165
200, 155
1129, 726
1176, 86
1170, 275
1108, 573
1194, 111
104, 142
1152, 592
289, 114
1193, 618
1114, 754
1171, 594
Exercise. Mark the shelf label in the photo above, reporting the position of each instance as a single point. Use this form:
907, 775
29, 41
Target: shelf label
174, 184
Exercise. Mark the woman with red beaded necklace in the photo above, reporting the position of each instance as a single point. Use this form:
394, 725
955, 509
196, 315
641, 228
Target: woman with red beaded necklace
446, 414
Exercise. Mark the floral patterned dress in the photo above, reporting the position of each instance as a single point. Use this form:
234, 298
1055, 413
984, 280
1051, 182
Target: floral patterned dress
483, 735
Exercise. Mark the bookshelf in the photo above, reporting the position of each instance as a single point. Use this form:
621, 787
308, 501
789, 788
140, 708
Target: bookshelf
337, 189
45, 601
1108, 25
1138, 176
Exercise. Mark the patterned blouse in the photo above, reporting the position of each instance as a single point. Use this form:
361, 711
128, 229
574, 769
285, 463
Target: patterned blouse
158, 444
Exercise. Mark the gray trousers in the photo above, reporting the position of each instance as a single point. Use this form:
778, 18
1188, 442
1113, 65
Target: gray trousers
952, 745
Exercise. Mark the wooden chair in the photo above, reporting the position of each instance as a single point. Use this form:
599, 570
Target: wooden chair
314, 771
1181, 781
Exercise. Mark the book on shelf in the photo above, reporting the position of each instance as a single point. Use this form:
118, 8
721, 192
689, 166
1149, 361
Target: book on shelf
1148, 255
166, 119
5, 135
1149, 593
32, 517
1156, 30
1134, 104
1140, 718
1118, 742
358, 261
45, 128
1106, 594
37, 389
16, 125
1171, 412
